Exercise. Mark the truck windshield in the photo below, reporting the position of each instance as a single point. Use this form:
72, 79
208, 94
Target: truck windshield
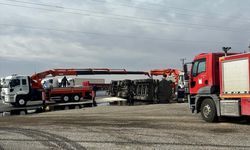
14, 82
6, 83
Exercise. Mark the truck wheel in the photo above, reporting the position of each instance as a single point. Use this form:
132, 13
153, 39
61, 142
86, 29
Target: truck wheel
13, 104
65, 98
76, 98
208, 110
180, 100
156, 101
21, 102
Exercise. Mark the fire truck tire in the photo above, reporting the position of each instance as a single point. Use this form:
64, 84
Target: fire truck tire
21, 102
76, 98
208, 110
65, 98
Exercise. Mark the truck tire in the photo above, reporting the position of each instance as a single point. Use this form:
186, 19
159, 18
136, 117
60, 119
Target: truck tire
156, 101
21, 102
65, 98
13, 104
180, 100
76, 98
208, 110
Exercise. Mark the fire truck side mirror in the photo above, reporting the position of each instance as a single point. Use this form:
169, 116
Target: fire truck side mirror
185, 69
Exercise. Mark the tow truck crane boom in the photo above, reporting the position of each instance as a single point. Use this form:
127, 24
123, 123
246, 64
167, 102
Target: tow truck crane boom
38, 77
167, 72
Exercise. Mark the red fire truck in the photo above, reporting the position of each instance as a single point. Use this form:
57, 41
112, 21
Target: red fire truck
219, 85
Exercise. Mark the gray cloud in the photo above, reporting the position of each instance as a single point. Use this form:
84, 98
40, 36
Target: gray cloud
174, 29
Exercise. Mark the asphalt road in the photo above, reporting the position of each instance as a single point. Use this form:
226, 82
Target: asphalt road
164, 126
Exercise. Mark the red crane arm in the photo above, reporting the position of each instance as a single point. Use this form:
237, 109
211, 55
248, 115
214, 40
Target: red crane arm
167, 72
38, 77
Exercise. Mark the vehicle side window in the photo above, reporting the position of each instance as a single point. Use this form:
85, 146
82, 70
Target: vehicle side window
24, 82
194, 69
202, 66
199, 66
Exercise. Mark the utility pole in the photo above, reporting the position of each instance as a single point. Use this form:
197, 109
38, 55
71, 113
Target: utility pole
183, 61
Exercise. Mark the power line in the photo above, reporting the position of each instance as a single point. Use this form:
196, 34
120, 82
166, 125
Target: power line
170, 7
40, 4
185, 9
125, 4
75, 9
39, 8
141, 20
57, 29
98, 1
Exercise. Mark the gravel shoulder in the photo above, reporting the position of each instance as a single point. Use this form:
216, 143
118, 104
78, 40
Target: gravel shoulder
163, 126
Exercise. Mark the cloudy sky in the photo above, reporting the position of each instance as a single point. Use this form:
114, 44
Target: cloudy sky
131, 34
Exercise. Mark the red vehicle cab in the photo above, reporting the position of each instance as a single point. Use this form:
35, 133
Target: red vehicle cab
205, 74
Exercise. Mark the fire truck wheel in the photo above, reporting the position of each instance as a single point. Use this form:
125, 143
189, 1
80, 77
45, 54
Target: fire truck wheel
208, 110
65, 98
21, 102
76, 98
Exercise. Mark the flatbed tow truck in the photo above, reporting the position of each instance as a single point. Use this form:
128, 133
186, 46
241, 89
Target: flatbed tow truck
18, 90
38, 107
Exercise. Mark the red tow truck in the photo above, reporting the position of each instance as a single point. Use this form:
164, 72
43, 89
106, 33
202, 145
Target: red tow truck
219, 85
18, 89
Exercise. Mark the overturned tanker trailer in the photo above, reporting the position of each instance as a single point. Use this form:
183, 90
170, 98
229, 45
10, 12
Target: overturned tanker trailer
151, 90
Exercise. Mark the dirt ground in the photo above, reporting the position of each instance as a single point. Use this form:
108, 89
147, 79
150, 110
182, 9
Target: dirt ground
163, 126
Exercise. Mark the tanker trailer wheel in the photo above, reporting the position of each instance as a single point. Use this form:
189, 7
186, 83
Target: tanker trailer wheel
65, 98
76, 98
208, 110
21, 102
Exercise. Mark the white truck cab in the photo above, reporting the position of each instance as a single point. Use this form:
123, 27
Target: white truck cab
181, 88
16, 90
181, 82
